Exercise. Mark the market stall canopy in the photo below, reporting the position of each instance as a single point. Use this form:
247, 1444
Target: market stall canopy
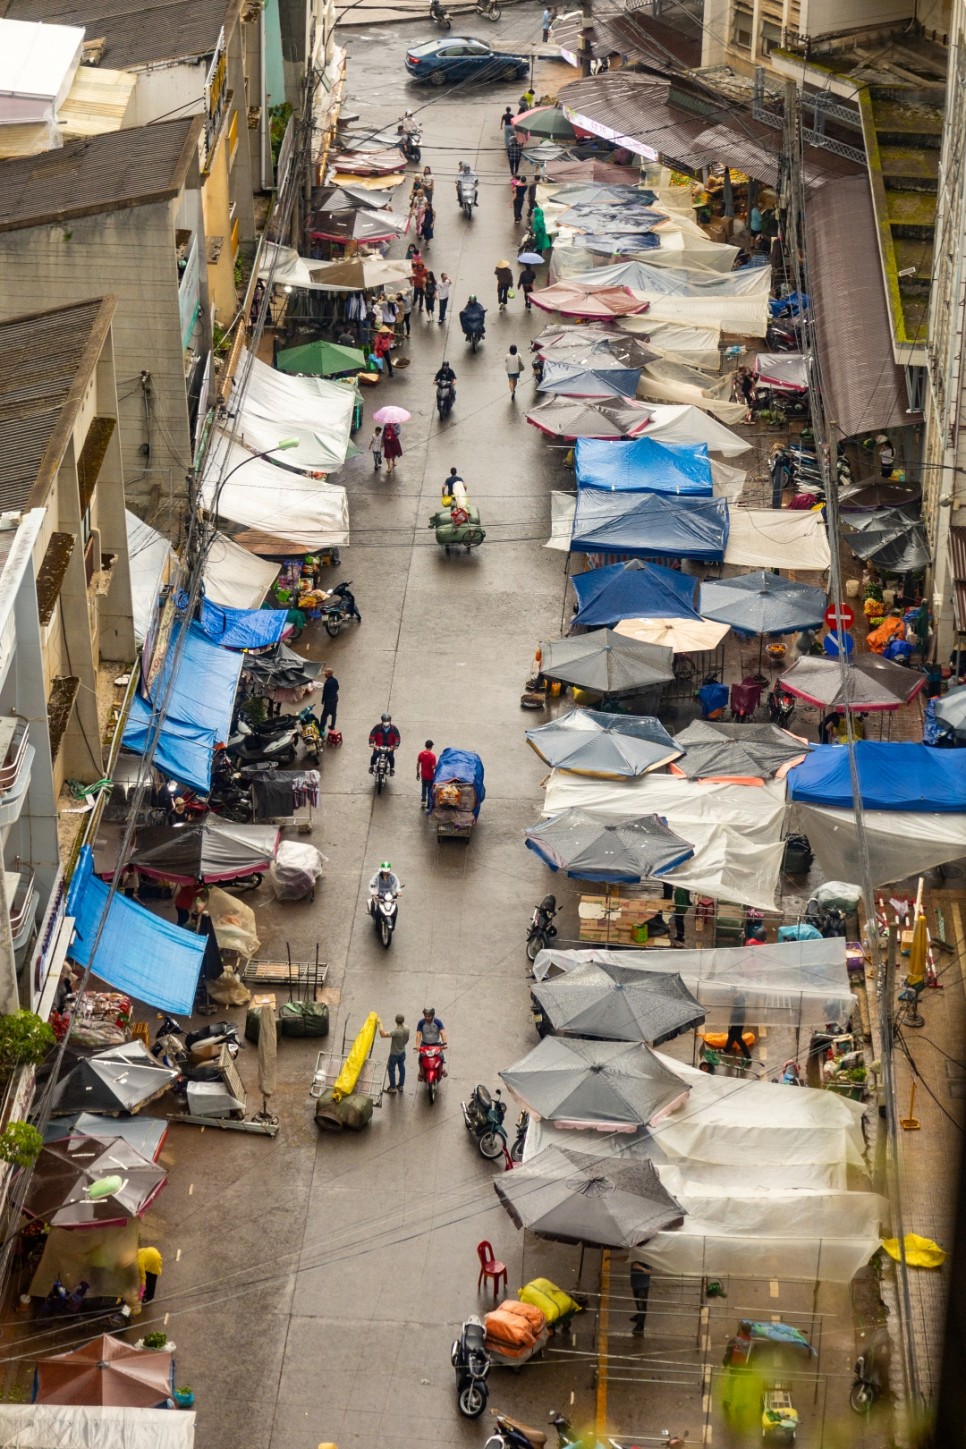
359, 274
762, 603
593, 171
572, 347
545, 151
895, 777
263, 496
120, 1079
951, 711
890, 539
872, 683
602, 302
596, 195
741, 753
77, 1427
576, 1083
778, 538
242, 628
668, 381
132, 950
586, 848
355, 226
547, 121
152, 563
582, 380
346, 198
282, 668
235, 577
182, 751
632, 590
211, 850
571, 1197
608, 746
146, 1134
274, 405
648, 525
645, 465
321, 359
784, 371
785, 983
684, 423
618, 1003
604, 663
900, 844
681, 636
870, 494
109, 1372
65, 1170
564, 417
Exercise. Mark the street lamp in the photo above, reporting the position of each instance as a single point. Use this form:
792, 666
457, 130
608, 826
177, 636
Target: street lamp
282, 446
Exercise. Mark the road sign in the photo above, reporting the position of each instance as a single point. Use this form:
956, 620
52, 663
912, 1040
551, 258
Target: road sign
839, 616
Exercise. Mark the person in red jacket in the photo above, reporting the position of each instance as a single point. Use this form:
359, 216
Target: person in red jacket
384, 340
384, 736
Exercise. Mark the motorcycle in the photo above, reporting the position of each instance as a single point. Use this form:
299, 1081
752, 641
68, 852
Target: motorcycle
472, 1364
483, 1116
474, 328
383, 910
871, 1373
247, 746
310, 735
430, 1068
489, 9
335, 615
781, 707
382, 768
173, 1047
445, 398
410, 142
511, 1434
542, 929
467, 193
439, 16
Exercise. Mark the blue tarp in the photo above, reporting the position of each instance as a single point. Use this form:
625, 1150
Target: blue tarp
649, 525
183, 751
465, 768
242, 628
633, 590
138, 953
643, 465
892, 777
204, 680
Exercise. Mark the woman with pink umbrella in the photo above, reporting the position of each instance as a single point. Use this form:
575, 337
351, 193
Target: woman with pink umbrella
391, 419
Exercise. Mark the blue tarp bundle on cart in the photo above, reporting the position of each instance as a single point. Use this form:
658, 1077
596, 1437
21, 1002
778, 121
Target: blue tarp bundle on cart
463, 767
891, 776
643, 465
648, 525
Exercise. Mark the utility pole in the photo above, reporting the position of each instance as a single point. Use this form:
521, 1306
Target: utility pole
586, 26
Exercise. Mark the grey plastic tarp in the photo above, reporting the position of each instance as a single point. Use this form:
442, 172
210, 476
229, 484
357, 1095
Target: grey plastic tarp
618, 1002
714, 751
578, 1083
788, 983
70, 1426
573, 1197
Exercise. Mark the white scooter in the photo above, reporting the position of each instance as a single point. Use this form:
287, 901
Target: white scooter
383, 911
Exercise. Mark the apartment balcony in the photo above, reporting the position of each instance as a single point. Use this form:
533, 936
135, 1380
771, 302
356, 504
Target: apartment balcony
23, 899
16, 761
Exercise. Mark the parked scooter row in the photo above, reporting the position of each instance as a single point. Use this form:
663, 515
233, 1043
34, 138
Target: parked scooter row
797, 466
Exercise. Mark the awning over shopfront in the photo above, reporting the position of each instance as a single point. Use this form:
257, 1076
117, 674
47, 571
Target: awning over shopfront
273, 500
863, 388
138, 953
152, 562
892, 776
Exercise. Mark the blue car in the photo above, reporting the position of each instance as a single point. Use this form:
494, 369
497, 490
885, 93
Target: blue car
457, 59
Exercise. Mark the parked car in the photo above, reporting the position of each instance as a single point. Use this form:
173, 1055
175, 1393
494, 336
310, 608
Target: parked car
460, 58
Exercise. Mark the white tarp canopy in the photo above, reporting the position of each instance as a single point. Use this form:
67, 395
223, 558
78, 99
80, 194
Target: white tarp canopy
234, 577
275, 405
786, 983
679, 245
152, 560
273, 500
563, 506
681, 423
735, 829
74, 1426
676, 382
747, 316
728, 480
677, 341
772, 538
901, 843
283, 267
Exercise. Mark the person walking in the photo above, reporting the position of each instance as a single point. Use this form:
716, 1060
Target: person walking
506, 125
425, 770
443, 289
375, 448
541, 241
150, 1268
513, 363
514, 152
526, 282
504, 281
428, 184
640, 1287
385, 338
391, 446
398, 1038
404, 306
532, 195
735, 1041
419, 275
330, 702
427, 229
430, 288
518, 192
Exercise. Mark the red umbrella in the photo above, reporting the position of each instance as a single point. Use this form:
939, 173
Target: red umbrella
602, 302
106, 1373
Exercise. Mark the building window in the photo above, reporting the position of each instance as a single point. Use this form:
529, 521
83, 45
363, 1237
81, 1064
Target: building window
232, 137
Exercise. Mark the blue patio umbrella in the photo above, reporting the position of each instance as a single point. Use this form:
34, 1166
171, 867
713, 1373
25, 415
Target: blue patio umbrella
585, 847
633, 590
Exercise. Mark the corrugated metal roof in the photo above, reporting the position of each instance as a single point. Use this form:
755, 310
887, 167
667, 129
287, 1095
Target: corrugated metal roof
863, 388
138, 34
103, 173
45, 363
685, 124
637, 36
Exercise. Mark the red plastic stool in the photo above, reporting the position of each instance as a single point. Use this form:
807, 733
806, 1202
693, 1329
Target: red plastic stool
490, 1267
334, 738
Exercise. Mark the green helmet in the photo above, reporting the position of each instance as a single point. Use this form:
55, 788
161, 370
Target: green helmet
385, 865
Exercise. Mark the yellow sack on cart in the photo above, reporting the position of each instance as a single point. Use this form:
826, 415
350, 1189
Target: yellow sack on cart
356, 1060
551, 1300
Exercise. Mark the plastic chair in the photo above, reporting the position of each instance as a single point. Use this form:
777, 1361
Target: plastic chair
490, 1267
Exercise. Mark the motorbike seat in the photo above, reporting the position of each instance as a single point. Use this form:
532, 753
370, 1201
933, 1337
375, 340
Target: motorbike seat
473, 1337
536, 1436
483, 1097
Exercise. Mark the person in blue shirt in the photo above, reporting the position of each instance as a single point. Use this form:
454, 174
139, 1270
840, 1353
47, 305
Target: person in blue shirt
431, 1032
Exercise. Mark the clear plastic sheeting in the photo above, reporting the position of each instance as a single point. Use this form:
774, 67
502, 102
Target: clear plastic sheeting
675, 382
788, 983
68, 1426
770, 538
901, 843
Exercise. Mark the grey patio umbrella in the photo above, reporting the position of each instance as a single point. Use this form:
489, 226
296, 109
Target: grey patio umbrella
607, 746
571, 1197
618, 1003
872, 683
951, 711
736, 752
120, 1079
626, 351
605, 663
762, 603
890, 539
588, 848
578, 1083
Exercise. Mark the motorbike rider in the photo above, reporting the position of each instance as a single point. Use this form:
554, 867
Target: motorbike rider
465, 178
384, 736
431, 1032
436, 10
385, 881
446, 374
473, 318
408, 123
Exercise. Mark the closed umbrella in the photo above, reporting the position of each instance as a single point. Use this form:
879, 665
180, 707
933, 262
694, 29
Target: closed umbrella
742, 753
871, 683
120, 1079
604, 663
585, 847
618, 1003
578, 1083
267, 1059
762, 603
321, 359
571, 1197
567, 417
64, 1171
606, 746
107, 1373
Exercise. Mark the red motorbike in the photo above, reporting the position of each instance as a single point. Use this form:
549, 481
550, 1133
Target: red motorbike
430, 1068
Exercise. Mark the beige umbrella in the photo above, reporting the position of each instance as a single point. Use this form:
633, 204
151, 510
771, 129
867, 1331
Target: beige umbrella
682, 636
